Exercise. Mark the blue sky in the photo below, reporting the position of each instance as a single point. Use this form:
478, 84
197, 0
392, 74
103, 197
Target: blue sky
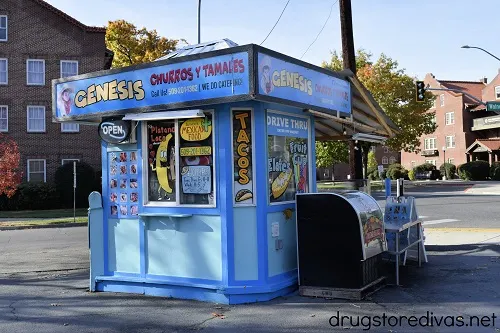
422, 35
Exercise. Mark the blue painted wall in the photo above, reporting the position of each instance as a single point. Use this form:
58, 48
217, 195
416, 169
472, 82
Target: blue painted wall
283, 259
184, 247
123, 246
246, 265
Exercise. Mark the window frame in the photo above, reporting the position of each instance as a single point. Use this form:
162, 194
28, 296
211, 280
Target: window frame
386, 150
441, 99
6, 28
27, 73
451, 160
497, 92
44, 168
145, 182
452, 141
69, 159
6, 130
433, 162
393, 159
449, 116
70, 131
28, 119
430, 139
384, 158
68, 61
6, 72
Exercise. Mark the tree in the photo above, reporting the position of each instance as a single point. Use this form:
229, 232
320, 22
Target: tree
395, 93
329, 153
372, 161
10, 175
133, 46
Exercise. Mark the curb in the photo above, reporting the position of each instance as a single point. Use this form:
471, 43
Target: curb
55, 225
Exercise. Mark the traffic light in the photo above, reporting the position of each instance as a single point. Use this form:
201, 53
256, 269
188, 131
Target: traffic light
420, 91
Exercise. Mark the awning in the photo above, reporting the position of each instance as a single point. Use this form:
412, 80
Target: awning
161, 115
484, 145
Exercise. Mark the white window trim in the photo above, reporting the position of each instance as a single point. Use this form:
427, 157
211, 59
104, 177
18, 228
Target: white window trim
69, 159
70, 131
6, 28
393, 159
44, 168
7, 129
449, 115
441, 99
453, 141
28, 119
433, 162
497, 94
27, 76
6, 71
177, 203
451, 160
385, 160
430, 139
68, 61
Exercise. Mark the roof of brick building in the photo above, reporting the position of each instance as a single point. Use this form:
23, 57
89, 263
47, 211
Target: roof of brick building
473, 88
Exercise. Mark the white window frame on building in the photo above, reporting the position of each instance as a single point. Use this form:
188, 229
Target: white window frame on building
392, 160
44, 169
4, 115
33, 83
441, 99
6, 61
428, 145
70, 127
497, 92
433, 162
449, 118
450, 141
386, 150
413, 164
385, 160
451, 160
4, 27
68, 73
69, 160
29, 119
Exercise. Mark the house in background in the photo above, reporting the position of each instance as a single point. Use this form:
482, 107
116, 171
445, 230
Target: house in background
455, 114
385, 156
39, 43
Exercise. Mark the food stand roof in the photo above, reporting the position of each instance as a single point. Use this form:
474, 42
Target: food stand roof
340, 103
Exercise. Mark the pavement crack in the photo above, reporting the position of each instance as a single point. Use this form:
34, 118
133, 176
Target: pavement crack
13, 310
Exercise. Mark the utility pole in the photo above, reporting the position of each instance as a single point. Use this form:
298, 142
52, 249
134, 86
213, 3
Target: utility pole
349, 60
199, 21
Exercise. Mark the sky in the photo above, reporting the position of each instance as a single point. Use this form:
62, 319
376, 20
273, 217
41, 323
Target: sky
424, 36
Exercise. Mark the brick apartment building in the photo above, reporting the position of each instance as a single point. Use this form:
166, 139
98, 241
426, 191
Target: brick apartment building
455, 116
39, 43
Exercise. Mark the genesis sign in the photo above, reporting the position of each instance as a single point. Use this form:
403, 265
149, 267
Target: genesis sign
114, 131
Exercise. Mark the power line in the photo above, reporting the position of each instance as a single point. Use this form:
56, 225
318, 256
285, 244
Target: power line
275, 24
327, 19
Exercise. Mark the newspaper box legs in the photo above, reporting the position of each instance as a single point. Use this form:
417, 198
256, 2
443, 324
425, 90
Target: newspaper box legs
340, 243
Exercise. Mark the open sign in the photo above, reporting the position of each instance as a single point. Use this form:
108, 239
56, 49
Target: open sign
114, 131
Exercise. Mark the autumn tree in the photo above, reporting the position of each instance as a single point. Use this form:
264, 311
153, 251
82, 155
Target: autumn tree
10, 175
132, 45
372, 161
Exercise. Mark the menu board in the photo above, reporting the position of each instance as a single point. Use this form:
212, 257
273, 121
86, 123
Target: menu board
124, 184
196, 179
243, 188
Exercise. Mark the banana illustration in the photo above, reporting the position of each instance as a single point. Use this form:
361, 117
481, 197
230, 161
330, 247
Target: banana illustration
162, 171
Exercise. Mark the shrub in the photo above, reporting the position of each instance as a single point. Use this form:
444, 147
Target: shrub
424, 168
86, 182
495, 171
475, 170
396, 171
448, 170
411, 174
31, 196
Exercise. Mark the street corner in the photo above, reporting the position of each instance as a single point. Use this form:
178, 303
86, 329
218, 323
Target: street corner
462, 236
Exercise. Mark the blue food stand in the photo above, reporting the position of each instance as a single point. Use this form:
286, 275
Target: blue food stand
203, 153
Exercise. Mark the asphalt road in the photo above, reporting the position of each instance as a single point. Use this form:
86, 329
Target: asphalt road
442, 206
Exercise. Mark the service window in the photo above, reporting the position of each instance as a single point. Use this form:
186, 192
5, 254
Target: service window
189, 179
288, 156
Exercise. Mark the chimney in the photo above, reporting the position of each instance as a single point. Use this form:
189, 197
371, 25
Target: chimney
484, 80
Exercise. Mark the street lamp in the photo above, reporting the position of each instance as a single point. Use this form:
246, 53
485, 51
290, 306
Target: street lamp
475, 47
444, 162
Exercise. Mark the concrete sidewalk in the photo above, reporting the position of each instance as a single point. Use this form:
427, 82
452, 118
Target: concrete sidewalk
461, 236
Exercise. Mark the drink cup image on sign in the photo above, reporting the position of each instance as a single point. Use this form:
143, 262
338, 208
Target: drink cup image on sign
161, 166
65, 100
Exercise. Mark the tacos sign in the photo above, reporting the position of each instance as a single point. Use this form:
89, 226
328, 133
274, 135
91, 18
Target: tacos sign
242, 154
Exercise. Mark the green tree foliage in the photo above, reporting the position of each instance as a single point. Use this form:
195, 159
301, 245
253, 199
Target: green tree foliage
132, 45
372, 161
395, 93
329, 153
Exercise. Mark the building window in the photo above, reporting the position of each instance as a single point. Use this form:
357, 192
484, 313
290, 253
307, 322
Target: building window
36, 118
386, 150
4, 71
36, 171
385, 160
497, 92
441, 99
413, 164
430, 144
70, 128
450, 141
69, 68
4, 118
35, 72
449, 118
451, 160
392, 160
69, 160
3, 28
433, 162
188, 180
